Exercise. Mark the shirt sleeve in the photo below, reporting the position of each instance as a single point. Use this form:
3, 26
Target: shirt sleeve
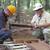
48, 19
33, 20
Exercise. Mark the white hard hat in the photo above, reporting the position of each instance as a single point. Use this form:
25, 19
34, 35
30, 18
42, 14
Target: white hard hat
37, 6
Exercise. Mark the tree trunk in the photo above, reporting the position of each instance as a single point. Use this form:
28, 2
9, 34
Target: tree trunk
28, 3
18, 11
46, 4
15, 2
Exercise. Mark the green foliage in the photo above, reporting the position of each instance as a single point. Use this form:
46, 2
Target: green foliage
26, 5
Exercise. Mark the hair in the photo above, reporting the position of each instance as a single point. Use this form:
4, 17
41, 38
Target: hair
5, 18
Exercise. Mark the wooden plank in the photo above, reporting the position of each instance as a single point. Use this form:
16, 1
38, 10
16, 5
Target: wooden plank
22, 25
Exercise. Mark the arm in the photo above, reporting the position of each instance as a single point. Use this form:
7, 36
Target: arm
44, 25
47, 22
33, 23
6, 27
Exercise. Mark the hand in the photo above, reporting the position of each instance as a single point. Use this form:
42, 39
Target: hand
34, 28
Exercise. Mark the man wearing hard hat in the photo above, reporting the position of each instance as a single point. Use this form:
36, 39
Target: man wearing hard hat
41, 23
5, 33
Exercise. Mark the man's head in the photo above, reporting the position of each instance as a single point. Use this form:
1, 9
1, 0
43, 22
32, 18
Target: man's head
38, 8
10, 10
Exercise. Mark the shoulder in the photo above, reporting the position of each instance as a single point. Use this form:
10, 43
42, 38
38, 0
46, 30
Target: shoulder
46, 13
35, 16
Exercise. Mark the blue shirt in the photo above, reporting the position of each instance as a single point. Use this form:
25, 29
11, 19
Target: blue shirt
2, 19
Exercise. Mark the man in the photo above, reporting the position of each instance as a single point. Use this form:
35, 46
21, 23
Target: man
40, 22
5, 33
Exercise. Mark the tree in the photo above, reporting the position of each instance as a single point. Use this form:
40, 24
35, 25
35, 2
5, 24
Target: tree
18, 11
15, 2
46, 4
28, 3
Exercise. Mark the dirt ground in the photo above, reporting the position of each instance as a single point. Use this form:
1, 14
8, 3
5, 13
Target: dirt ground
24, 36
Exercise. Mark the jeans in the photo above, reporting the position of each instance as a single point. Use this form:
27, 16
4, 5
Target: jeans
4, 35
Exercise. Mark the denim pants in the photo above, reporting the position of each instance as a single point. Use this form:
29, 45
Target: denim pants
4, 35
